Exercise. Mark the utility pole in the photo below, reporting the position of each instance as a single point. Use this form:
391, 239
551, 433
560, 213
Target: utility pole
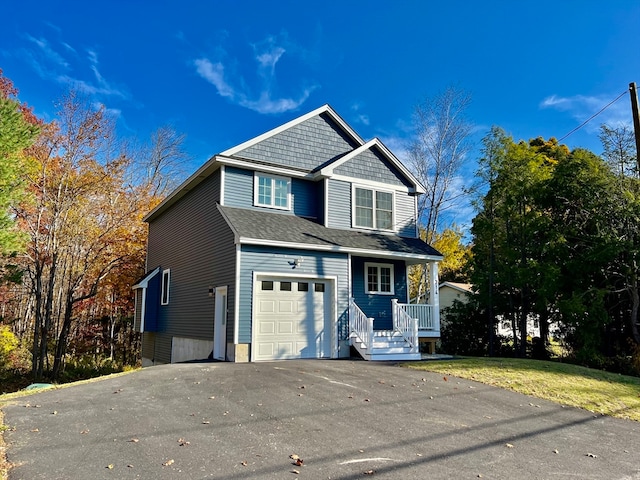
636, 119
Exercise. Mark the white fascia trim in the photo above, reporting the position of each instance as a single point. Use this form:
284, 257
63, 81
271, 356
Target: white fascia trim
373, 184
223, 179
203, 172
328, 170
282, 171
326, 203
236, 295
339, 249
296, 121
145, 281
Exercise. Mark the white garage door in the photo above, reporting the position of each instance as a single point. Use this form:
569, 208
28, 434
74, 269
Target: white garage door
292, 318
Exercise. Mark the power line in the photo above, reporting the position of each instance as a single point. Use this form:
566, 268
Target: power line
593, 116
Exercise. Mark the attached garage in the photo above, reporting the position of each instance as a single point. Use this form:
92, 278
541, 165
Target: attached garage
292, 318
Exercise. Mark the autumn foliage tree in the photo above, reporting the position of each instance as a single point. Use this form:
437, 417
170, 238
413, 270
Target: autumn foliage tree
79, 217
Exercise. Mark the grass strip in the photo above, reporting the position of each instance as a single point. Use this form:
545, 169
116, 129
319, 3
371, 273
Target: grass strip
597, 391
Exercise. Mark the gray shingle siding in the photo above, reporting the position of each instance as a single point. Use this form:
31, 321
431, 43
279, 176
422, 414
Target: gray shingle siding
304, 146
276, 260
195, 243
371, 165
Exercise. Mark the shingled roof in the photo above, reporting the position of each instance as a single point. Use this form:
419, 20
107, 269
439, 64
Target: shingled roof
253, 227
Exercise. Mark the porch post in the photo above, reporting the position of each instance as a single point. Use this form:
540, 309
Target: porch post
434, 294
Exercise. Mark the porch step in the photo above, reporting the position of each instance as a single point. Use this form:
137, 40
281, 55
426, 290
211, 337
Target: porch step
386, 345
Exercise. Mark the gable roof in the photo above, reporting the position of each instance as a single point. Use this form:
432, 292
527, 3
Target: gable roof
309, 146
290, 231
296, 121
461, 287
328, 169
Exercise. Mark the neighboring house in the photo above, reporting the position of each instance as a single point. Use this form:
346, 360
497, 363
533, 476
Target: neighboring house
451, 291
294, 244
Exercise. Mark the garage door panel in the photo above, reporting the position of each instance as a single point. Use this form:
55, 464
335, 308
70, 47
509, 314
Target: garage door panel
266, 306
291, 322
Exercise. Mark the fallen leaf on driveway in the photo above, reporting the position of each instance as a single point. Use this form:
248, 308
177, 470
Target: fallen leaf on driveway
369, 472
591, 455
134, 440
110, 466
294, 457
508, 445
243, 463
182, 442
167, 463
297, 472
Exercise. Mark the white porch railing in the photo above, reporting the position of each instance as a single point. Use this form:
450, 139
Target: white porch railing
405, 324
424, 313
360, 324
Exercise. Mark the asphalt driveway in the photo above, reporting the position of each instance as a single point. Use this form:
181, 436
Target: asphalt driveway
345, 419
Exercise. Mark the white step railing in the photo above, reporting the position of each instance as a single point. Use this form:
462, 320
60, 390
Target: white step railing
424, 313
405, 324
360, 324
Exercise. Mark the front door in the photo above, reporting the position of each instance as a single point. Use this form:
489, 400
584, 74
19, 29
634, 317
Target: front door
220, 324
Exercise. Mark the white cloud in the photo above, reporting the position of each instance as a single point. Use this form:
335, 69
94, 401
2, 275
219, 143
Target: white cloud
582, 108
49, 53
261, 99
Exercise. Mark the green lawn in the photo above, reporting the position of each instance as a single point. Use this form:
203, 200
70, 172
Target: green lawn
593, 390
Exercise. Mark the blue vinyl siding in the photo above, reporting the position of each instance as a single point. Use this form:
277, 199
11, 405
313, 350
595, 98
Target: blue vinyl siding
339, 211
238, 192
276, 260
238, 187
405, 215
378, 306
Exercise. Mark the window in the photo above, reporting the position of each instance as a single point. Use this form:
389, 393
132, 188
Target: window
267, 285
319, 287
272, 191
379, 278
373, 209
303, 287
166, 277
285, 286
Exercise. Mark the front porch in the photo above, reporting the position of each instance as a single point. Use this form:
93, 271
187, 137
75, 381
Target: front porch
411, 323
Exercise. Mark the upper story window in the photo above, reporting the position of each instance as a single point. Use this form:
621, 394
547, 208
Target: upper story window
379, 278
272, 191
373, 208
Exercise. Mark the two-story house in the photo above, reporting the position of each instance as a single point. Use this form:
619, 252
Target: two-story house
294, 244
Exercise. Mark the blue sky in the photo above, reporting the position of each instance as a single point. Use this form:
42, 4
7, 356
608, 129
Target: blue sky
222, 72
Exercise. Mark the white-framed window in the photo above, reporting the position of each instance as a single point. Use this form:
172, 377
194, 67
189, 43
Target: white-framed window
166, 279
372, 208
378, 278
271, 191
